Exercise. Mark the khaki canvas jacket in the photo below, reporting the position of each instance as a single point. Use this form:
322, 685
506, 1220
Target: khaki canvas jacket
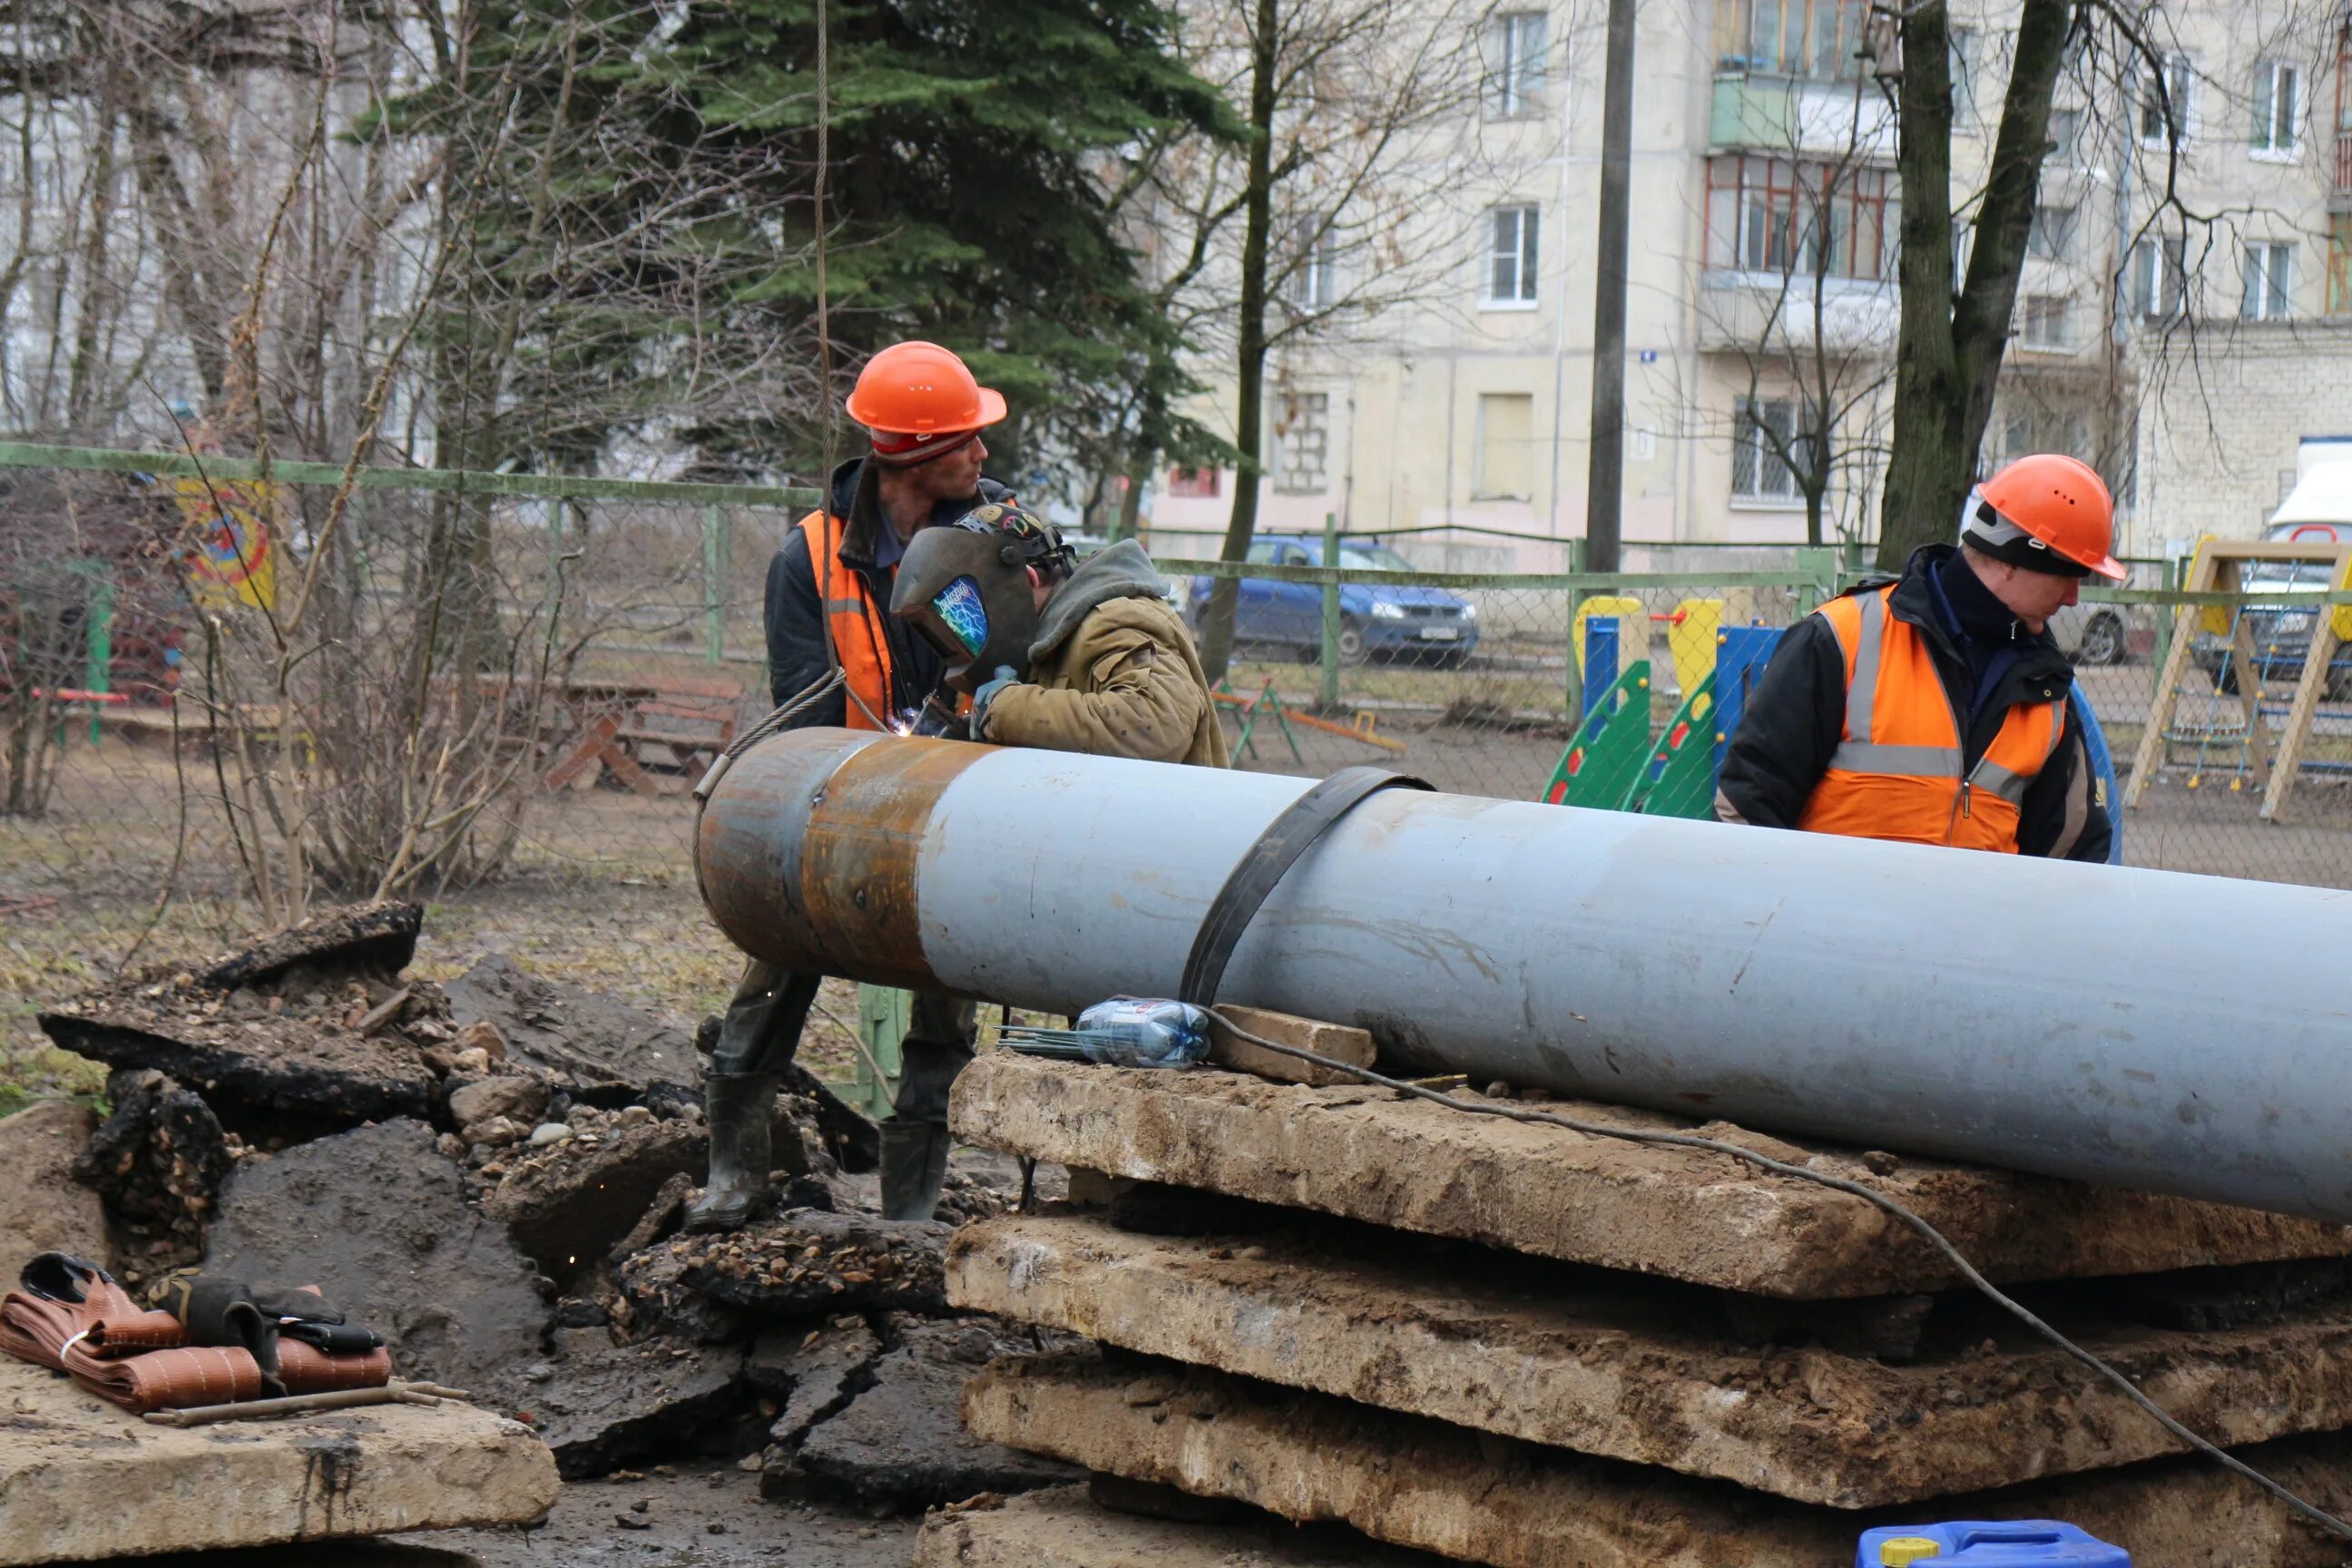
1113, 673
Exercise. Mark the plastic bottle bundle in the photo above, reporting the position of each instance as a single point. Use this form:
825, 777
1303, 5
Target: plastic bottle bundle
1125, 1031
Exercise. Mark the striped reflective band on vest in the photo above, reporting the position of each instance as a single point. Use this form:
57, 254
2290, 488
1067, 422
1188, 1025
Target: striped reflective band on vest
1858, 753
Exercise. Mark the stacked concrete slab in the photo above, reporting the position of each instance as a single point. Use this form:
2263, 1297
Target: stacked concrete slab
1513, 1345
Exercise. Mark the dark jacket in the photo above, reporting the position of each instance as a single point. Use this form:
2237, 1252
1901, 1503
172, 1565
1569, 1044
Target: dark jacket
796, 611
1796, 716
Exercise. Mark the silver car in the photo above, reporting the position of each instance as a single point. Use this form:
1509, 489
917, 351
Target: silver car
2092, 634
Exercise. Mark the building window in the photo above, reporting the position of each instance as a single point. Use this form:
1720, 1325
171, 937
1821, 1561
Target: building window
2065, 138
2158, 272
1505, 471
1961, 60
1195, 483
1819, 39
2278, 104
1312, 284
1514, 82
2052, 238
1511, 256
1302, 443
2339, 264
2043, 322
2175, 90
2030, 429
1772, 215
2270, 281
1765, 428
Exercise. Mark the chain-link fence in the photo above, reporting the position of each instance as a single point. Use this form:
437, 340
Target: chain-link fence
221, 696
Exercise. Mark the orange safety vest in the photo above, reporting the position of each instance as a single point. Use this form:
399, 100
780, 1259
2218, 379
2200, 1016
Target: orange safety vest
857, 640
1897, 771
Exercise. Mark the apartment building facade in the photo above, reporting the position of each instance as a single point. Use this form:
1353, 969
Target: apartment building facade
2191, 235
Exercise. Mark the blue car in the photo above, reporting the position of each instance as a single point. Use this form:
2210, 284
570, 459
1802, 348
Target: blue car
1425, 625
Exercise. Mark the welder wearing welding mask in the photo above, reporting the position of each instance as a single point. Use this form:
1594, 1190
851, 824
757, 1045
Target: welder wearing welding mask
1056, 653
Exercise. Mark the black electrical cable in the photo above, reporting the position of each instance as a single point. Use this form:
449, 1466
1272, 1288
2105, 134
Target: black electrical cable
1934, 1238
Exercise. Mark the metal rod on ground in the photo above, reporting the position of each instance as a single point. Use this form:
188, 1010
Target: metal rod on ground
298, 1404
2040, 1016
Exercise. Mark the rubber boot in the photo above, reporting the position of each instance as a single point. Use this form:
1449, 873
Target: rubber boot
914, 1167
738, 1106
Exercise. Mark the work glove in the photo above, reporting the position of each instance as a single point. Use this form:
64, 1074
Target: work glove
986, 695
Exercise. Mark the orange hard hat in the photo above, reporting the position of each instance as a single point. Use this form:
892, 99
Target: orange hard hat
2045, 505
921, 389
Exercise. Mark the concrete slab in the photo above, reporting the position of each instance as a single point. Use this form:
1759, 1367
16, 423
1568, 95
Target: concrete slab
79, 1478
1060, 1529
1645, 1371
1433, 1487
1706, 1218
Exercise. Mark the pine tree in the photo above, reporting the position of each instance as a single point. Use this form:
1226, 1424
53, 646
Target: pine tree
636, 185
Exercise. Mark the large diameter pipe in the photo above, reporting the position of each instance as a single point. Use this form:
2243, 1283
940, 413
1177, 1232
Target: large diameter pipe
2140, 1028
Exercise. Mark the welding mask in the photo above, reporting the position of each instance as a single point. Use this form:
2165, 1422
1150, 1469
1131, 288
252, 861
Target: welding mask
965, 587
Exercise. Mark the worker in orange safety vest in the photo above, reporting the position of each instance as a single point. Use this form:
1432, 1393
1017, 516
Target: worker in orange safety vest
828, 597
1932, 709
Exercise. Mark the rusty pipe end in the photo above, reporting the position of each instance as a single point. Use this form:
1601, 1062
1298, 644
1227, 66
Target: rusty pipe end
810, 850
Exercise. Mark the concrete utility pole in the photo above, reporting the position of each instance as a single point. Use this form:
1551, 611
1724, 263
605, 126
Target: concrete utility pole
1605, 480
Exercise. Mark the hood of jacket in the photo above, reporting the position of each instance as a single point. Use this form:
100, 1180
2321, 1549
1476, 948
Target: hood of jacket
1120, 571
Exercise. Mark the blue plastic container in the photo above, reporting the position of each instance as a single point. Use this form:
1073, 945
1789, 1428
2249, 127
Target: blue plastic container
2009, 1543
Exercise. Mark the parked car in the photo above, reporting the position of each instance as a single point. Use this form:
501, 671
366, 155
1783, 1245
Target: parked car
2092, 634
1376, 620
2319, 512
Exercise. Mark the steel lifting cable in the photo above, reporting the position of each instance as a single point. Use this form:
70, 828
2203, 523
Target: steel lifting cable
1951, 1254
834, 677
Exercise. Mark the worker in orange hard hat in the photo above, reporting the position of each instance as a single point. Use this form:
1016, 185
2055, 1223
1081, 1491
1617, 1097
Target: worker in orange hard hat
828, 597
1932, 710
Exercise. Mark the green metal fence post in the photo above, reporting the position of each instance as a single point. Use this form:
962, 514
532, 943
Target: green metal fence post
1330, 702
99, 662
883, 1016
1575, 655
2164, 625
1818, 564
716, 555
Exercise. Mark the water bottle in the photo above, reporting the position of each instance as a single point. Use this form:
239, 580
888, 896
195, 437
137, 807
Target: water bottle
1145, 1032
1126, 1032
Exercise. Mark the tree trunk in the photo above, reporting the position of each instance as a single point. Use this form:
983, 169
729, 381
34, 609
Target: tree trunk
1131, 501
1949, 351
1927, 460
1249, 411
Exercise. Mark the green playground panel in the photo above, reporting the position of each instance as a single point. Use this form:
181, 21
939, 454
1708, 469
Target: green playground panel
1610, 750
1679, 779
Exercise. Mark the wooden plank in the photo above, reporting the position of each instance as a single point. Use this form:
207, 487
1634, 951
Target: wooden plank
2250, 701
1338, 1041
2316, 655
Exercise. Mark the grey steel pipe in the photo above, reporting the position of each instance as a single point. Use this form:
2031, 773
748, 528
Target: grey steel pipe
2140, 1028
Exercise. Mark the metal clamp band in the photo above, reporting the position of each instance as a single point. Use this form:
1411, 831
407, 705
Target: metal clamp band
1286, 838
